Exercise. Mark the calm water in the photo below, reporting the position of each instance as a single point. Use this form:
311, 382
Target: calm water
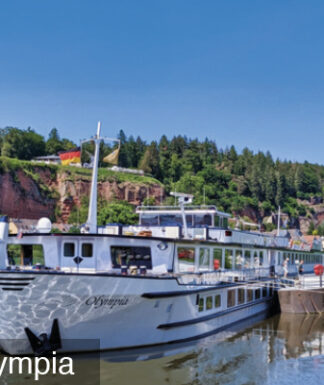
284, 349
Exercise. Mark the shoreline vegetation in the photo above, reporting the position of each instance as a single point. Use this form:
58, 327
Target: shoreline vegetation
246, 184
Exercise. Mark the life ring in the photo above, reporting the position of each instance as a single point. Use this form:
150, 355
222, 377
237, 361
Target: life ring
319, 269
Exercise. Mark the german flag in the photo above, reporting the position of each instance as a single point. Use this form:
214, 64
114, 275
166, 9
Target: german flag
71, 156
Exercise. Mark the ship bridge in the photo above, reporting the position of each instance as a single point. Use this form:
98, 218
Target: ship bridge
196, 216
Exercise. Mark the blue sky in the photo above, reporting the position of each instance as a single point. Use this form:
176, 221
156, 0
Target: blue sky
248, 73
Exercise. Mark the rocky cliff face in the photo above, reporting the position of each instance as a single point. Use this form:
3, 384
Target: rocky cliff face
43, 192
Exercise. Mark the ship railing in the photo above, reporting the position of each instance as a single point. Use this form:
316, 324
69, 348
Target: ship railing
174, 208
215, 277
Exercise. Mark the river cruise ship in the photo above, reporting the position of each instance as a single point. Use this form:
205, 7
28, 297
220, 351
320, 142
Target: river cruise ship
181, 273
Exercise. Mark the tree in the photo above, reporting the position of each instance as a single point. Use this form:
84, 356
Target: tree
53, 143
150, 160
118, 212
22, 144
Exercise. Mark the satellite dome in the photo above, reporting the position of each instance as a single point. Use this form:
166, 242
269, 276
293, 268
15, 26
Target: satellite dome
44, 225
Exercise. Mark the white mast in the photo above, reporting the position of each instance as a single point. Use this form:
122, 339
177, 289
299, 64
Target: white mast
91, 224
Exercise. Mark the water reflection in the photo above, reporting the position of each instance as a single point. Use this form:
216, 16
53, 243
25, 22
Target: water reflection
284, 349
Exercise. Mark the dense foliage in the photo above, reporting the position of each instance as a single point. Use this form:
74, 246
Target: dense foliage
112, 212
27, 144
234, 181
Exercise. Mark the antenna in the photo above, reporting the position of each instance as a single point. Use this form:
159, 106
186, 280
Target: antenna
183, 199
278, 225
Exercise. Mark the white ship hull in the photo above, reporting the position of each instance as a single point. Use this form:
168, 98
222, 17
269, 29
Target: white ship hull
121, 312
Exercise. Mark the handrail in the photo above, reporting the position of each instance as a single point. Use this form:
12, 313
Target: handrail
176, 208
210, 277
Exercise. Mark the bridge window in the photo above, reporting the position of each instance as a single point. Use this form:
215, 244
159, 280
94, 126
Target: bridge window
149, 220
257, 294
170, 219
131, 256
25, 255
189, 220
249, 293
201, 220
186, 259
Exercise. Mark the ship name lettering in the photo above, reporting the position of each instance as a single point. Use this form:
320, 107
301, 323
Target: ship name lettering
111, 302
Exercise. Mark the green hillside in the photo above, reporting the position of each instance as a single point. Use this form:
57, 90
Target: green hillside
243, 183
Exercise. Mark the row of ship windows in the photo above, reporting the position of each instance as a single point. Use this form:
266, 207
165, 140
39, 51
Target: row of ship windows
120, 255
306, 257
205, 258
234, 297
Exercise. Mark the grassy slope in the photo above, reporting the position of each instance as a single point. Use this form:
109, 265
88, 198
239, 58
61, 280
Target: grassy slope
105, 174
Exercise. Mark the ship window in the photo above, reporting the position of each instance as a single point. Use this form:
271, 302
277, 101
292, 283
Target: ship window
217, 259
241, 296
170, 219
209, 303
248, 263
189, 220
225, 223
231, 298
201, 304
238, 259
149, 220
217, 300
256, 259
261, 258
69, 249
131, 256
87, 250
186, 259
249, 295
257, 294
25, 255
228, 259
216, 221
201, 220
264, 291
270, 290
204, 259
